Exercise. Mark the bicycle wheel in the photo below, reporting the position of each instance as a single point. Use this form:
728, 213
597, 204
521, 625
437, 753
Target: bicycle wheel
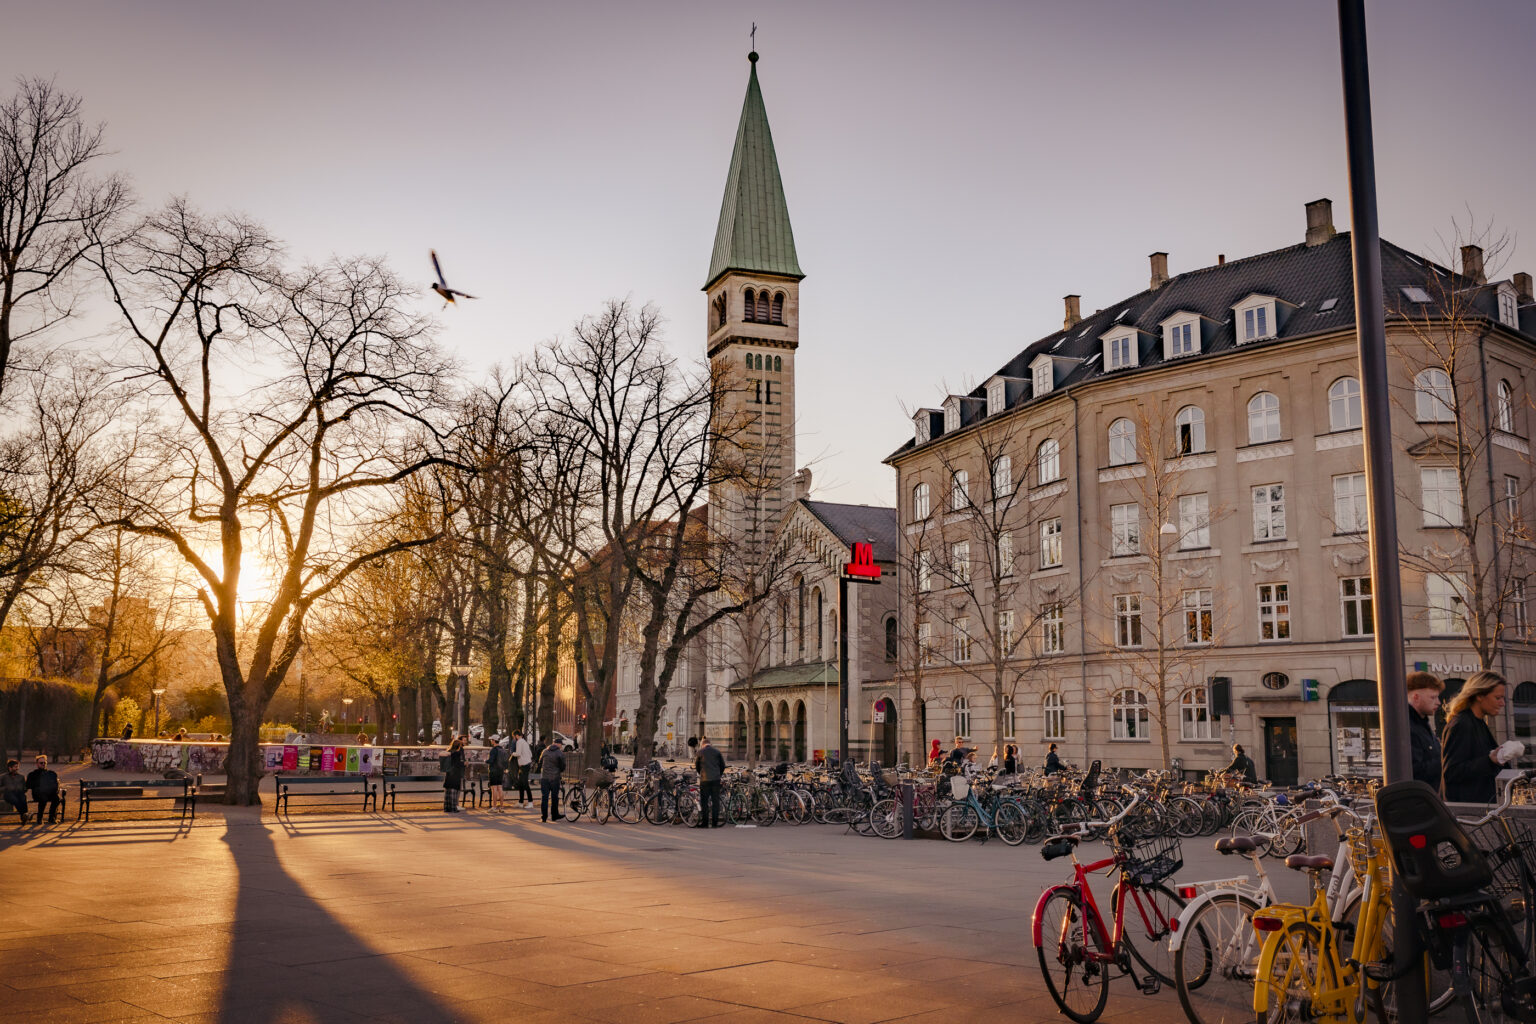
688, 809
1078, 984
1212, 816
660, 808
626, 806
959, 823
575, 803
1010, 823
1289, 972
764, 807
886, 817
1187, 817
1215, 976
793, 808
1149, 920
1383, 998
1037, 824
1492, 969
600, 806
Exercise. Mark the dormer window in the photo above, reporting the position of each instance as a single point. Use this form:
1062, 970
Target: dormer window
1043, 375
951, 416
1120, 350
1509, 307
997, 397
923, 425
1255, 319
1256, 323
1181, 336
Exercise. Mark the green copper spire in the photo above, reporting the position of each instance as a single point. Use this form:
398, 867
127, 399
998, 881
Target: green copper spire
754, 233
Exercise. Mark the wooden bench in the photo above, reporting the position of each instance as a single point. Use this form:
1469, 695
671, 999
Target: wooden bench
393, 784
349, 786
180, 790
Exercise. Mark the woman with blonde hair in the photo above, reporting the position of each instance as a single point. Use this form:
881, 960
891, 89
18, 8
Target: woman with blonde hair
1471, 757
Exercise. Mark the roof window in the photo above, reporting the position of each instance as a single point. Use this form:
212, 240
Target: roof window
1327, 305
1413, 293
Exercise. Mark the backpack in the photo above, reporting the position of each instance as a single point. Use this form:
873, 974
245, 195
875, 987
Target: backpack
610, 763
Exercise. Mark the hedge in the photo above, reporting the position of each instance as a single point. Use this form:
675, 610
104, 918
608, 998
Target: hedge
55, 713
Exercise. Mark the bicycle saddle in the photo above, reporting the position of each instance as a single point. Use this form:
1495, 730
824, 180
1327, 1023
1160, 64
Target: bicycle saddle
1308, 862
1058, 846
1237, 844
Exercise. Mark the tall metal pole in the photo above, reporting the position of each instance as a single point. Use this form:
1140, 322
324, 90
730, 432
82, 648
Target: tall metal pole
842, 669
1381, 493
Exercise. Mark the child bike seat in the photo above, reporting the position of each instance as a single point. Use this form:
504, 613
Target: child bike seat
1431, 853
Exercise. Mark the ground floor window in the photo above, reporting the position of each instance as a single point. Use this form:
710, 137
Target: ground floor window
1128, 716
1055, 717
1195, 715
962, 717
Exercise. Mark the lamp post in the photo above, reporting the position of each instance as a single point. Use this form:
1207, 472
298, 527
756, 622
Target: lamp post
157, 692
346, 712
461, 701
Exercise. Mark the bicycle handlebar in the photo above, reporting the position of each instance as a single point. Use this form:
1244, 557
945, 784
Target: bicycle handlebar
1509, 793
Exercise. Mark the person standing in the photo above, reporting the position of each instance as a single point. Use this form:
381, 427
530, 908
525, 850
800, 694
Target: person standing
1423, 701
711, 767
1242, 765
1052, 761
13, 786
1471, 757
522, 751
1010, 759
453, 775
43, 784
551, 771
496, 772
936, 753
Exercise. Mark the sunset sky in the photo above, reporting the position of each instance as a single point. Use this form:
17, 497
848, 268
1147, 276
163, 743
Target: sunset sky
951, 169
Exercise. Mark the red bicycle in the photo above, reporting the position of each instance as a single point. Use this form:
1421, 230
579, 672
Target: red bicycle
1077, 951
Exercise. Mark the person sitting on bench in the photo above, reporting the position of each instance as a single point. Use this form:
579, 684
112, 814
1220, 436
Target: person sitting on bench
43, 784
14, 786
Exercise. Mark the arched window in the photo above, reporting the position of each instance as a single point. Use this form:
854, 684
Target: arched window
1048, 461
959, 490
800, 615
1122, 442
720, 311
1010, 720
778, 308
962, 717
1128, 715
1434, 401
1504, 408
1195, 721
1055, 717
1002, 477
751, 306
749, 360
1344, 404
890, 638
1263, 418
762, 307
1190, 423
921, 506
819, 612
778, 364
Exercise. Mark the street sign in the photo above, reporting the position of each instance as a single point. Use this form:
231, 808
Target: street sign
863, 564
878, 718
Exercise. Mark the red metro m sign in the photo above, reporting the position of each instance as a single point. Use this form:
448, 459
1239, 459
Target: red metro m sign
863, 564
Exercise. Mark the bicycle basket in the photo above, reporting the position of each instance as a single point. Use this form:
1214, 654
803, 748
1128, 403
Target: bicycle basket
889, 778
1153, 859
1505, 843
959, 788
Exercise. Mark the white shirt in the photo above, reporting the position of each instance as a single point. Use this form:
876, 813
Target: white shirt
524, 752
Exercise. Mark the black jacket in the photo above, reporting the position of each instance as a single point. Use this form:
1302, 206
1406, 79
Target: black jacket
453, 778
1052, 763
1469, 772
552, 763
711, 764
1426, 749
1242, 765
43, 783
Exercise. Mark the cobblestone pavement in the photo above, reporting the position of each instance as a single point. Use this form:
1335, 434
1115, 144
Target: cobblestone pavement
491, 916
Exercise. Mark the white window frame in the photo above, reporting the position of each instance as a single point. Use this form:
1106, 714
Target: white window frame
1053, 630
1042, 375
1445, 603
1010, 720
964, 642
960, 562
1509, 307
1199, 617
924, 570
1519, 612
922, 502
959, 490
1264, 425
1005, 554
1512, 511
1195, 721
1002, 476
1050, 543
1194, 521
1357, 601
1351, 512
1120, 350
1440, 495
951, 416
1005, 637
1128, 621
1124, 530
1344, 409
1128, 716
997, 397
1504, 407
1054, 715
1434, 398
1190, 430
1255, 321
962, 716
1181, 337
1274, 612
1122, 442
1048, 461
922, 425
1269, 512
925, 643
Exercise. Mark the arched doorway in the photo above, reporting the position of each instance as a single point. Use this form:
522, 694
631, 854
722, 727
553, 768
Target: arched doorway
739, 732
800, 731
781, 744
886, 729
765, 748
1354, 719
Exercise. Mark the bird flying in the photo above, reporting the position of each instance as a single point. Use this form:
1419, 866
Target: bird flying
441, 287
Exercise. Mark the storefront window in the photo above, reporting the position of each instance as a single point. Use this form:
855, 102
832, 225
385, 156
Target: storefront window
1354, 719
1525, 712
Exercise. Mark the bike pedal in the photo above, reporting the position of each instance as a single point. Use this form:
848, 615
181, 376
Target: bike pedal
1150, 986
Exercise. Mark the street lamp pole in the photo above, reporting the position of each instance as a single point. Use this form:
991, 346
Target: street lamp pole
346, 712
461, 701
157, 692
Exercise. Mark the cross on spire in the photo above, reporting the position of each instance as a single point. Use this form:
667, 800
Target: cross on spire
753, 34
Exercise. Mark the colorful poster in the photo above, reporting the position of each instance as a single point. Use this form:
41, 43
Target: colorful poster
365, 760
290, 758
391, 761
314, 759
353, 759
272, 758
327, 759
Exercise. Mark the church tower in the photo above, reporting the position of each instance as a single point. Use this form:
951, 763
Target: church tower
753, 323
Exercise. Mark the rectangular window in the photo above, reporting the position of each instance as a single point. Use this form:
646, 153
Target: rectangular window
925, 571
1447, 604
960, 562
1005, 637
1198, 613
1002, 477
1120, 352
1355, 595
1043, 378
1512, 501
1181, 340
1517, 610
1274, 611
1442, 496
1055, 717
1005, 554
1195, 721
1125, 529
1050, 543
1128, 620
1053, 632
1255, 323
959, 490
963, 639
1269, 512
1194, 521
995, 396
1349, 508
925, 642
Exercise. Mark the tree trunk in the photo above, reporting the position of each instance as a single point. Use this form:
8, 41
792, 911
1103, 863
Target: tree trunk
546, 713
490, 714
410, 718
243, 768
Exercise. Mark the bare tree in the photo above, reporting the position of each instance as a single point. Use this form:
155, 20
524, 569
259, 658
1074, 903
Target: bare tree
294, 400
50, 207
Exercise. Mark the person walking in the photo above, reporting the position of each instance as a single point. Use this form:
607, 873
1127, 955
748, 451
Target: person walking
551, 772
1423, 701
1052, 761
13, 786
1010, 759
453, 775
43, 784
711, 767
1471, 757
496, 772
522, 751
1242, 765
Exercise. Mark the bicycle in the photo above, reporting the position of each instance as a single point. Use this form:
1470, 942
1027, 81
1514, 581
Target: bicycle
1077, 951
969, 812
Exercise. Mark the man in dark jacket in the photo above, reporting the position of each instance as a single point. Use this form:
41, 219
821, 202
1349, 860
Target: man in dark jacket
1423, 701
1242, 765
43, 784
551, 771
14, 787
1052, 761
711, 766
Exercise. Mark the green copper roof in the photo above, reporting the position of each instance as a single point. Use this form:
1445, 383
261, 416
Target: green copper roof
754, 233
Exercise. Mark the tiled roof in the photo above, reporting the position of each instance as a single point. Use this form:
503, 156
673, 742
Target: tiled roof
858, 524
813, 673
754, 232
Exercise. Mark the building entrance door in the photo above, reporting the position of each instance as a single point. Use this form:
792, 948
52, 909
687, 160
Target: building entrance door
1281, 761
885, 730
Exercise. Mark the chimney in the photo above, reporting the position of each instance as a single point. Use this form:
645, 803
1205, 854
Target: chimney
1159, 269
1472, 264
1320, 221
1523, 288
1074, 311
1221, 259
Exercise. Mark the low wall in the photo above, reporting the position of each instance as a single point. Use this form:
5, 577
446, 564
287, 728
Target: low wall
139, 756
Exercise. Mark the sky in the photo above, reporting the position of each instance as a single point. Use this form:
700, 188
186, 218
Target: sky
952, 170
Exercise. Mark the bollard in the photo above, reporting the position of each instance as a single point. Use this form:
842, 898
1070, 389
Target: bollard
907, 794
